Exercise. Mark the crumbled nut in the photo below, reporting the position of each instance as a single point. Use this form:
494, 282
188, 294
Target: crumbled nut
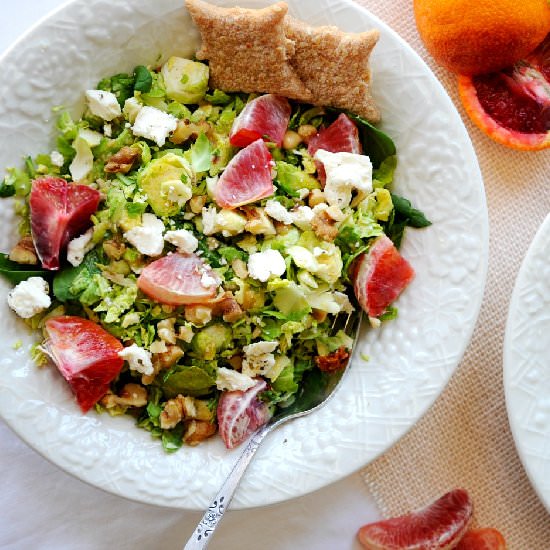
174, 411
240, 269
185, 333
197, 431
307, 131
131, 395
197, 202
334, 361
114, 249
316, 197
319, 315
324, 226
228, 308
24, 252
163, 360
165, 330
198, 314
291, 140
258, 222
236, 362
335, 213
123, 160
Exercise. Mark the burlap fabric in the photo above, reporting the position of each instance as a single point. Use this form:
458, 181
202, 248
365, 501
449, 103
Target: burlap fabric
465, 439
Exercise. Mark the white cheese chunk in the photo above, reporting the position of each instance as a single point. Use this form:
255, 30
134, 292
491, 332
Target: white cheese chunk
139, 359
232, 380
147, 237
264, 265
103, 104
278, 212
183, 240
154, 124
345, 172
302, 217
30, 297
79, 247
57, 159
258, 358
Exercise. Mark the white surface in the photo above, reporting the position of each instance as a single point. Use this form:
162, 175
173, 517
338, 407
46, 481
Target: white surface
43, 507
412, 357
527, 362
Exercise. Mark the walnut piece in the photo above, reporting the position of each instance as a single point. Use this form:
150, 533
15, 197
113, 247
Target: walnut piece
24, 252
123, 160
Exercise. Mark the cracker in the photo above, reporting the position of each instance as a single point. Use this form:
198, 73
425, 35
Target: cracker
334, 65
247, 49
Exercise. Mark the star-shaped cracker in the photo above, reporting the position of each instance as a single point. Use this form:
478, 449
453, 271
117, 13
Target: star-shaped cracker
247, 49
334, 65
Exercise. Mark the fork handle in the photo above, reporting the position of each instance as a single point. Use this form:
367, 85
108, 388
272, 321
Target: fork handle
211, 518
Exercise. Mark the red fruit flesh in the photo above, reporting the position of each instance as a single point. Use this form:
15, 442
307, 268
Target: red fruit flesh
59, 211
86, 355
179, 279
482, 539
267, 115
241, 413
438, 526
247, 177
513, 106
341, 136
379, 276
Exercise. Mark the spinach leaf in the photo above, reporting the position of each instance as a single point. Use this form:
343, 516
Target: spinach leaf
405, 210
15, 273
122, 85
172, 439
376, 144
63, 283
6, 189
142, 79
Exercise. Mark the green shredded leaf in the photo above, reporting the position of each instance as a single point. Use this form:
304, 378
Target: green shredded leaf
201, 154
142, 79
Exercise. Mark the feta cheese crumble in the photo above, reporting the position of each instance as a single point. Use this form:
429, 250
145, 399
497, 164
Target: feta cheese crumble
147, 237
57, 159
258, 358
226, 222
139, 359
154, 124
302, 217
345, 172
103, 104
79, 247
183, 240
232, 380
30, 297
264, 265
278, 212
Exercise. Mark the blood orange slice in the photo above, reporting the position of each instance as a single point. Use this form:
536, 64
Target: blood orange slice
267, 115
482, 539
179, 279
513, 106
247, 177
85, 354
379, 276
241, 413
59, 211
438, 526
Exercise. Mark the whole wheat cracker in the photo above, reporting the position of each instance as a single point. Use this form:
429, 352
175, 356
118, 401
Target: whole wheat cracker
247, 49
334, 65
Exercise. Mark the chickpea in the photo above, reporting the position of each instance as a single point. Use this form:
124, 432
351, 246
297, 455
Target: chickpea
291, 140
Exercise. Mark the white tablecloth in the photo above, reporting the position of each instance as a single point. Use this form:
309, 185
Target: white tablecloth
41, 507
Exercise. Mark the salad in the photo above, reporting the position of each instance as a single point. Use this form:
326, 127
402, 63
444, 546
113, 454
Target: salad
184, 251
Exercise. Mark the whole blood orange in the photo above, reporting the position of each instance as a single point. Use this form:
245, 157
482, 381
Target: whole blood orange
479, 36
513, 106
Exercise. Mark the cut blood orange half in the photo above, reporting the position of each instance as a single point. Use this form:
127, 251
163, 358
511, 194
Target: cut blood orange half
438, 526
512, 106
179, 279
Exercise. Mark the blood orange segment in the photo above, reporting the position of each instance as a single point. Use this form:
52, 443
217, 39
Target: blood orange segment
247, 177
486, 538
342, 136
512, 106
438, 526
267, 115
86, 356
179, 279
59, 211
379, 276
241, 413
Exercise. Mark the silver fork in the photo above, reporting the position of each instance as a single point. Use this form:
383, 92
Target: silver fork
310, 399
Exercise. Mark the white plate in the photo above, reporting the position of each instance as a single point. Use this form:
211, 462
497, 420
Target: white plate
527, 362
412, 358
